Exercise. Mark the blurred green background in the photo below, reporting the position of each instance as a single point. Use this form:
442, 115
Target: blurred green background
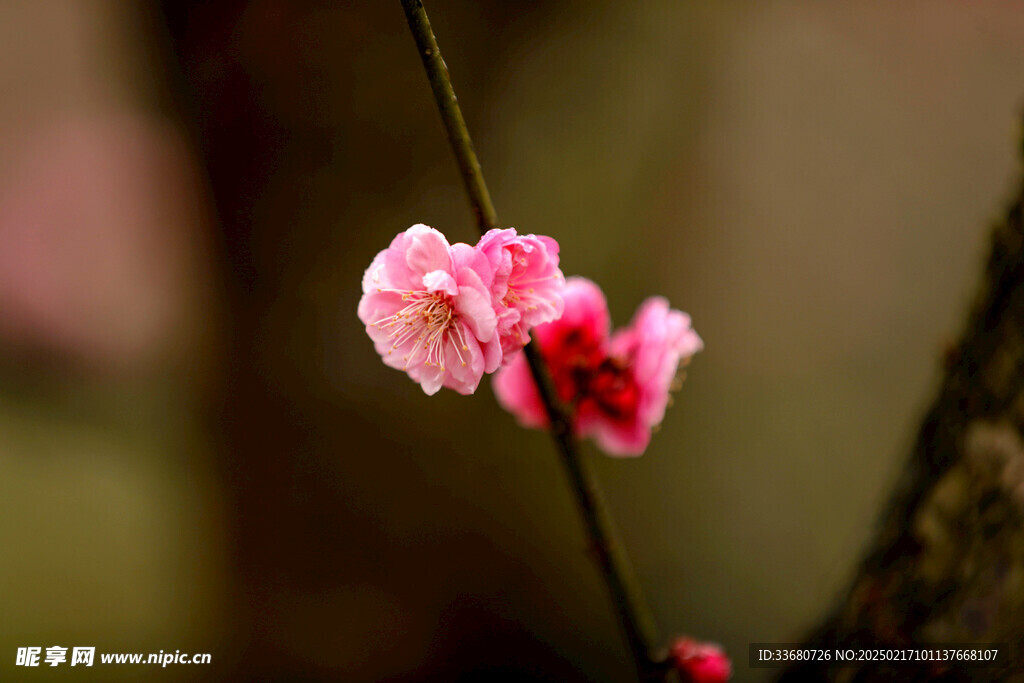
200, 449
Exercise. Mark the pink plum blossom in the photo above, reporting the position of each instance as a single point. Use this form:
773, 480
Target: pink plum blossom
527, 284
427, 307
617, 388
700, 662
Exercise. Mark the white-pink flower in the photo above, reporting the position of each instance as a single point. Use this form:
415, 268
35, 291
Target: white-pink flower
527, 287
427, 307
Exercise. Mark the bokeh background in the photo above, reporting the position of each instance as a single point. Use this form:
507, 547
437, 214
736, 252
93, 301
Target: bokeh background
199, 449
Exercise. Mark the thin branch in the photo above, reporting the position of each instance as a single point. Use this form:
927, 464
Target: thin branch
634, 617
454, 124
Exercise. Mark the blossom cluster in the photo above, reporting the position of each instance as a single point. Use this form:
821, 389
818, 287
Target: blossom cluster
617, 385
448, 313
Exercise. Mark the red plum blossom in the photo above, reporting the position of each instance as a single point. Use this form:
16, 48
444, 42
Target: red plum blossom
700, 662
572, 347
617, 387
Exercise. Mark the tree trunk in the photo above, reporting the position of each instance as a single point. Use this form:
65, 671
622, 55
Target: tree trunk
947, 563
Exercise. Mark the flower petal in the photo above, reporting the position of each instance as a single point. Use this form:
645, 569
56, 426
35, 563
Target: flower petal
440, 281
517, 393
427, 250
473, 304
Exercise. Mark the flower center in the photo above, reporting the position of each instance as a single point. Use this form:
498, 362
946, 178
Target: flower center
430, 323
615, 390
